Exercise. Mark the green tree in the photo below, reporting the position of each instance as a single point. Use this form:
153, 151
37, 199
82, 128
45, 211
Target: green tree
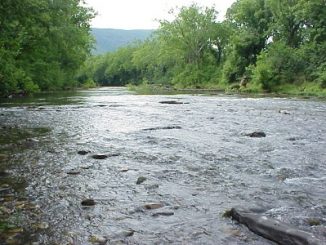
194, 41
42, 44
279, 64
250, 21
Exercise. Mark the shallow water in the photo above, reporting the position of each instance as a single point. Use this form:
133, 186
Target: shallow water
195, 156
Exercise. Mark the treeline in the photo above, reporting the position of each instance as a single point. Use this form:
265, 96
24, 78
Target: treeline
262, 45
42, 44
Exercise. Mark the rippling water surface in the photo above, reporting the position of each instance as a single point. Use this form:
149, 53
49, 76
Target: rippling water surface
195, 156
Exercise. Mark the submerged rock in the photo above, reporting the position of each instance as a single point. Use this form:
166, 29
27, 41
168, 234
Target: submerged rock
284, 112
88, 202
292, 139
152, 186
256, 134
96, 239
100, 156
273, 229
125, 233
163, 213
82, 152
124, 169
140, 180
73, 172
162, 128
153, 205
172, 102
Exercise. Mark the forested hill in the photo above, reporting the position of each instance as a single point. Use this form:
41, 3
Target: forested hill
111, 39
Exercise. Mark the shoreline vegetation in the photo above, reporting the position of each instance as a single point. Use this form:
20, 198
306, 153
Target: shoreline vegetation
302, 91
262, 46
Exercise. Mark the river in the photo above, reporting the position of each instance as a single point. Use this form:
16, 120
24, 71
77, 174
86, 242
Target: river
192, 151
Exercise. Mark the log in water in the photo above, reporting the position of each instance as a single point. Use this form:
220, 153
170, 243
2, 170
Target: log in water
273, 229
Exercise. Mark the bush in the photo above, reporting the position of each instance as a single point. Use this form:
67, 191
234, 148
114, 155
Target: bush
279, 64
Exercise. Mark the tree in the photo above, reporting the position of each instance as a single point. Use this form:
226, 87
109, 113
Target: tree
42, 44
250, 22
194, 41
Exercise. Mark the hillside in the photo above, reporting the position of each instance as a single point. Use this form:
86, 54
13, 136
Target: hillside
108, 40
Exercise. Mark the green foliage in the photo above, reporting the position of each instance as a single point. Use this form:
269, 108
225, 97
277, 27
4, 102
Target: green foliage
89, 83
263, 45
277, 65
250, 22
42, 44
286, 25
320, 75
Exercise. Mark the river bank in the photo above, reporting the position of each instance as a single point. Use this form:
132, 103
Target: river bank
304, 91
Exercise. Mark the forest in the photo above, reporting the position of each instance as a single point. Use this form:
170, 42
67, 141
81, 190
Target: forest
261, 46
43, 43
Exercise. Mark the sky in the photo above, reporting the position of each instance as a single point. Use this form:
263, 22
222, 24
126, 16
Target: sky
143, 14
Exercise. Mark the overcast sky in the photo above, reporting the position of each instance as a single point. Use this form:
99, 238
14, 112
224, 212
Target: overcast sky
143, 14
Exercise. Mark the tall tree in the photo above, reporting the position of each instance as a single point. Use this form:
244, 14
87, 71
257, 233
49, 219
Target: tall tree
250, 22
195, 41
42, 43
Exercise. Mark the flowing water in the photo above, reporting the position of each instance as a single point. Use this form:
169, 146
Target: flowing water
194, 155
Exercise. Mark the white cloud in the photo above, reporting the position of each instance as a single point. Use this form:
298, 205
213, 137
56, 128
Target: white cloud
142, 14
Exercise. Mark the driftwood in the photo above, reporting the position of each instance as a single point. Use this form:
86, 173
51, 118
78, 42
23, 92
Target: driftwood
272, 229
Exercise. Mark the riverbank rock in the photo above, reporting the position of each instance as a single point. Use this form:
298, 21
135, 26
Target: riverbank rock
273, 229
256, 134
140, 180
88, 202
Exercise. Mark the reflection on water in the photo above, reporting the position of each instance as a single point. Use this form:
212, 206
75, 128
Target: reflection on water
196, 161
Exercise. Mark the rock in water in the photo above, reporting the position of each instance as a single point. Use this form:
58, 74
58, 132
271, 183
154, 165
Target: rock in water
100, 240
82, 152
140, 180
257, 134
153, 205
162, 128
88, 202
163, 213
171, 102
272, 229
124, 169
99, 156
73, 172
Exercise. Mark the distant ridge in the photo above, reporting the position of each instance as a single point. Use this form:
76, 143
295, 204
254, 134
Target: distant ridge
108, 40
